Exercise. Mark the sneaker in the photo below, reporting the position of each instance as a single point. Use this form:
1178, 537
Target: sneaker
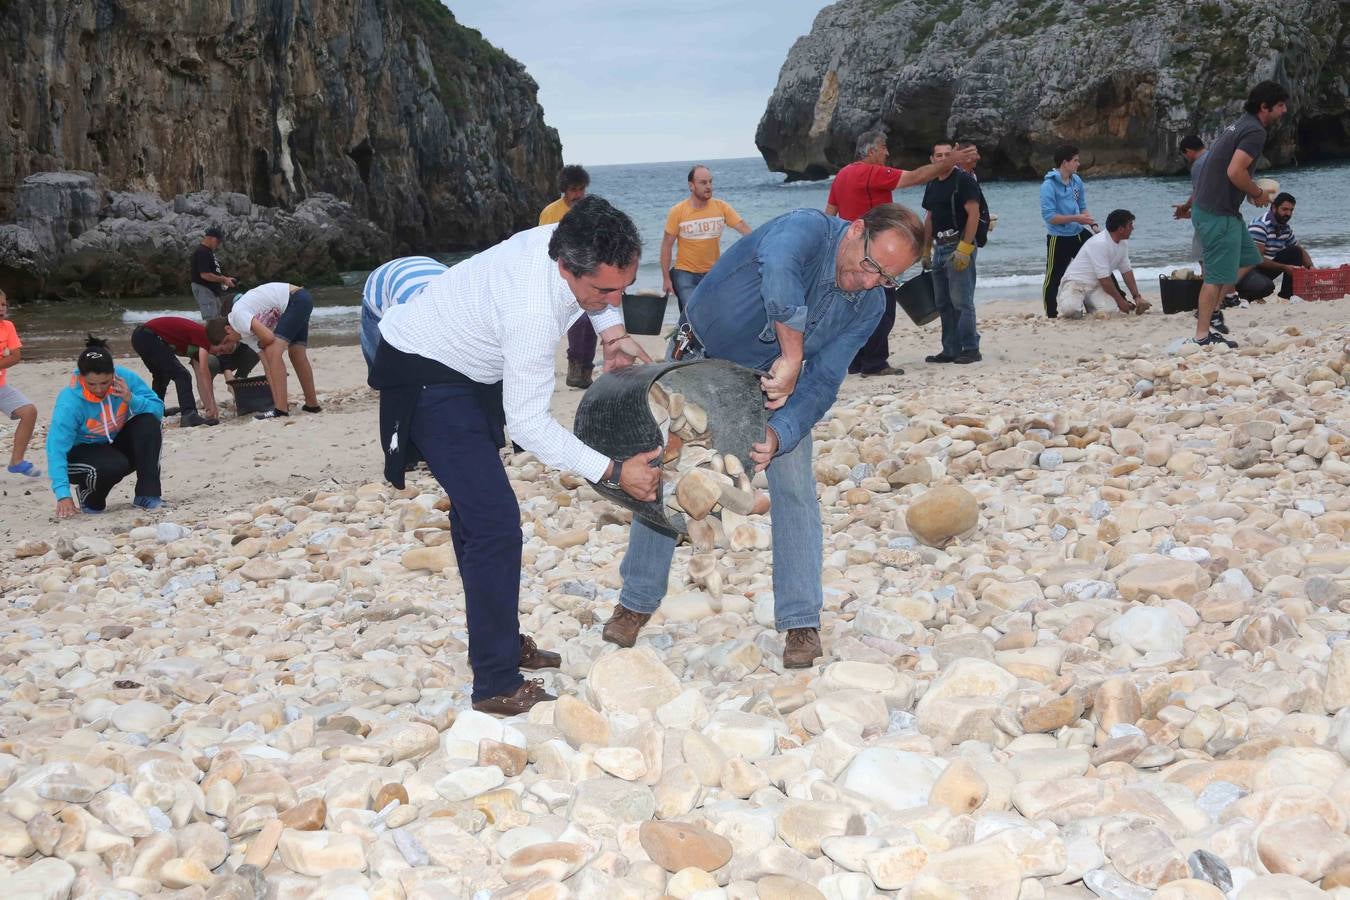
967, 357
191, 420
148, 502
531, 657
623, 626
211, 421
888, 370
271, 414
1212, 339
1216, 322
939, 358
518, 701
1230, 301
578, 376
801, 648
312, 409
24, 467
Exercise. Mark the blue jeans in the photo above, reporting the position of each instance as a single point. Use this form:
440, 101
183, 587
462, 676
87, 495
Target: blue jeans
684, 283
955, 295
370, 335
797, 542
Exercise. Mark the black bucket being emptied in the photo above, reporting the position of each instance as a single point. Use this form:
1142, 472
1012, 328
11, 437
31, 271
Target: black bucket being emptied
615, 418
916, 298
644, 313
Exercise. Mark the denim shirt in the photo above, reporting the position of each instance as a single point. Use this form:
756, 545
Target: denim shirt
784, 272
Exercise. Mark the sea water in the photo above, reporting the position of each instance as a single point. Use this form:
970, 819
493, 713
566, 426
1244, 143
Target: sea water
1010, 267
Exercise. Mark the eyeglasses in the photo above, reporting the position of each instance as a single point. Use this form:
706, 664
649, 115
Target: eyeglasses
871, 265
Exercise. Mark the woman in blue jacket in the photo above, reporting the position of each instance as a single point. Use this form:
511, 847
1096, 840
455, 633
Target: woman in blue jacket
1064, 209
105, 425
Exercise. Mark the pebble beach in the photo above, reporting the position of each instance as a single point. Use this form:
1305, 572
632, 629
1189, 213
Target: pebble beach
1085, 615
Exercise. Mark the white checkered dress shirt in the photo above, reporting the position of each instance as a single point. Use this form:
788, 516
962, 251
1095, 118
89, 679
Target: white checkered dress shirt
498, 317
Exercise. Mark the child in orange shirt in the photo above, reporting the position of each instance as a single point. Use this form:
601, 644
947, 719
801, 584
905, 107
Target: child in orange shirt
12, 401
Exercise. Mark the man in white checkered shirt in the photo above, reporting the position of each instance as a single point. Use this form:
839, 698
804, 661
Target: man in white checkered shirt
473, 352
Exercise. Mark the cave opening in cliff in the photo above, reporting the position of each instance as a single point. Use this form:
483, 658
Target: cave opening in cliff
1323, 138
262, 177
363, 155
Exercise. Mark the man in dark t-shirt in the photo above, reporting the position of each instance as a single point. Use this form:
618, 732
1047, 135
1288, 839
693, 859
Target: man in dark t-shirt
955, 206
207, 283
1224, 179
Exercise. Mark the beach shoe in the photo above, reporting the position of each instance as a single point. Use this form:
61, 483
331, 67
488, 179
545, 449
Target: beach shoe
211, 421
271, 414
191, 420
939, 358
1213, 340
623, 626
531, 657
312, 409
147, 502
24, 467
801, 648
888, 370
172, 410
967, 357
518, 701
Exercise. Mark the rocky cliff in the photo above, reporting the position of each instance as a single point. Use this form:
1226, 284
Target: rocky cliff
1123, 79
389, 106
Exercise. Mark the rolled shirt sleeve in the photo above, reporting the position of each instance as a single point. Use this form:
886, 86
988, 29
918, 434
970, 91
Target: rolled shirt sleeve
819, 384
606, 318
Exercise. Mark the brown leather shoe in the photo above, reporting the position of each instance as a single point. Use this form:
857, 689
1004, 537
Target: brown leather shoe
531, 657
517, 702
801, 648
578, 376
623, 626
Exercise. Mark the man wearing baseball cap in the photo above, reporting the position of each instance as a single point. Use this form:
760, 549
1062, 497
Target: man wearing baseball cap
208, 285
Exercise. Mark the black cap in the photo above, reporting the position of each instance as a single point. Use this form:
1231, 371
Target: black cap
215, 232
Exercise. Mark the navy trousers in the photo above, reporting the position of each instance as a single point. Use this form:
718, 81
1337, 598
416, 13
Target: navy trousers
453, 431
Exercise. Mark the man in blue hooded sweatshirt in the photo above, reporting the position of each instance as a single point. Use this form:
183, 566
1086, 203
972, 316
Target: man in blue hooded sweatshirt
1064, 209
105, 425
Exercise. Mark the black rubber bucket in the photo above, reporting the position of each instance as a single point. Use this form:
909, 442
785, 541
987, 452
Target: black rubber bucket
615, 418
916, 298
1179, 294
644, 313
250, 394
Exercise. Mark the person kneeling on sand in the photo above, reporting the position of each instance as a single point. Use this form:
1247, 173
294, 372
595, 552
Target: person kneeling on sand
160, 341
1089, 283
274, 319
105, 425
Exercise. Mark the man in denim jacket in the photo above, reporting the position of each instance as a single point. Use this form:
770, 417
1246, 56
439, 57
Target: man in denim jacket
797, 297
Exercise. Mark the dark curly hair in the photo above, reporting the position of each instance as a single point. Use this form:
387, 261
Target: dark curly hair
595, 234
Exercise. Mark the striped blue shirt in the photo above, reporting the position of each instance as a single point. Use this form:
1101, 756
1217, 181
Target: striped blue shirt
1265, 230
398, 281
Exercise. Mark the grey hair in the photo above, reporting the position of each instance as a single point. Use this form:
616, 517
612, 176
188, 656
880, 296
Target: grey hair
867, 140
595, 234
894, 217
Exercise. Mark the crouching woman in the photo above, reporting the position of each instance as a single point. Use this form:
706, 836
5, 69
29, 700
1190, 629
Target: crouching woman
105, 425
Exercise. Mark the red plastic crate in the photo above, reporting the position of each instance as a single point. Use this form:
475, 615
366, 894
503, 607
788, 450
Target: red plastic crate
1322, 284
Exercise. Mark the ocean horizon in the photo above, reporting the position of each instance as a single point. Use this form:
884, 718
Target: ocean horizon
1010, 267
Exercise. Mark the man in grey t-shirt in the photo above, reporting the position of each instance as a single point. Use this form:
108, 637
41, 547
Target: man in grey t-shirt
1224, 178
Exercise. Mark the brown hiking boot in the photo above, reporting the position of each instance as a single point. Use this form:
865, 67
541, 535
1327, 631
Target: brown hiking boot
517, 702
578, 376
801, 648
531, 657
623, 626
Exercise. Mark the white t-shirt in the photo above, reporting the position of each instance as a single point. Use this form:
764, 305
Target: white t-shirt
266, 303
1097, 259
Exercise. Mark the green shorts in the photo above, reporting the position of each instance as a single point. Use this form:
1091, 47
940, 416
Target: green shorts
1227, 245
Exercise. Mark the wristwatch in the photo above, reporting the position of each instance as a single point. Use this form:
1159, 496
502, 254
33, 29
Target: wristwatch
612, 480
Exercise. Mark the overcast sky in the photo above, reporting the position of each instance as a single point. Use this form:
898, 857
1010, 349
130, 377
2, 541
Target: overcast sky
641, 81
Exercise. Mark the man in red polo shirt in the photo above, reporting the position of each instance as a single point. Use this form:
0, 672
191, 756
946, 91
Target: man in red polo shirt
858, 187
160, 342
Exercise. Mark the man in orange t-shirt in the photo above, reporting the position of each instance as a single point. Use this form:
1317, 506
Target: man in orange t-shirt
697, 224
581, 336
857, 188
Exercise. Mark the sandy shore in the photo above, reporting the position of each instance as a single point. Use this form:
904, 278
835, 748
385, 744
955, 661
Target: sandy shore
243, 461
